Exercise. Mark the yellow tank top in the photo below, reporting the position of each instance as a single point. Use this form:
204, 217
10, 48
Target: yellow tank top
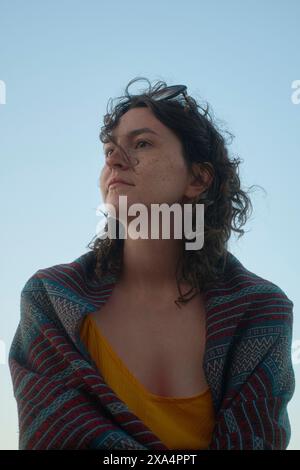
180, 423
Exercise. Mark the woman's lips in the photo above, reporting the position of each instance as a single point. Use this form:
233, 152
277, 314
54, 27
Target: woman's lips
118, 182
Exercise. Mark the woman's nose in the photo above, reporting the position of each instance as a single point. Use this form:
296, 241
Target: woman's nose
116, 158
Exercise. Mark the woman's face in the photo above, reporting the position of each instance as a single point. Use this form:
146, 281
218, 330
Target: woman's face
160, 173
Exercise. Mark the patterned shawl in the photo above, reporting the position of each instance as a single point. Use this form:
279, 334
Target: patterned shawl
64, 403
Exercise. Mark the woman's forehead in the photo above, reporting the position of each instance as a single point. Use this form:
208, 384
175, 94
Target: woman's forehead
135, 119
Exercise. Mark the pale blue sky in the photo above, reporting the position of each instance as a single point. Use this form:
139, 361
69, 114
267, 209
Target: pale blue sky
62, 60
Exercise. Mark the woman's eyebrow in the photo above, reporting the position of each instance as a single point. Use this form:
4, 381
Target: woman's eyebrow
142, 130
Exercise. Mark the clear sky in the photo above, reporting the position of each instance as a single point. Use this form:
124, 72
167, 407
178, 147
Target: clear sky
61, 61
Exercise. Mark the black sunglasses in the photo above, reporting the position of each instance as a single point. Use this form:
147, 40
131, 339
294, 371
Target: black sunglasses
171, 92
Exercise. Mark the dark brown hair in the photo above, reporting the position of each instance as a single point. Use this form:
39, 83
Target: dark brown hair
227, 206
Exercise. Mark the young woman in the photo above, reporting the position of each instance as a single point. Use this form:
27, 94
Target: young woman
141, 343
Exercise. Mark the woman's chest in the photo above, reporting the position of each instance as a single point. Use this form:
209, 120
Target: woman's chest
162, 347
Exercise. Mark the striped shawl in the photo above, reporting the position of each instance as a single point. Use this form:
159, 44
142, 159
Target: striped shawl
64, 403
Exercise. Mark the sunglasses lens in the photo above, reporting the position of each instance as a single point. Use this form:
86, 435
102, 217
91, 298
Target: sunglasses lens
169, 92
162, 95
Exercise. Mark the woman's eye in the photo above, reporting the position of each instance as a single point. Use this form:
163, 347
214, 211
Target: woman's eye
139, 142
143, 142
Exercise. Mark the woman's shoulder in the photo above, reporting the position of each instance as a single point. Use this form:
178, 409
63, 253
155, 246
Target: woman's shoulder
264, 301
74, 281
81, 267
239, 276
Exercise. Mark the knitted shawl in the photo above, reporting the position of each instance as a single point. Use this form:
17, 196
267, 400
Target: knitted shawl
64, 403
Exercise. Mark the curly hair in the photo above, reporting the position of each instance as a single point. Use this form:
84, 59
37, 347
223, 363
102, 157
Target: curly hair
227, 207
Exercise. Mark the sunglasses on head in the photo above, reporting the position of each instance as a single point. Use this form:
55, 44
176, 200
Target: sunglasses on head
171, 92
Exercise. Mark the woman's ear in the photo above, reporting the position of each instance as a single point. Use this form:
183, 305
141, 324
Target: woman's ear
200, 179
